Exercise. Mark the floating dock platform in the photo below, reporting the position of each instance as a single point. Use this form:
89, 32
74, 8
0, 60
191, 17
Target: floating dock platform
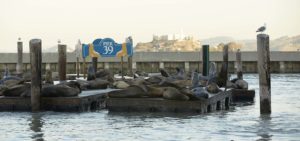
241, 95
85, 101
220, 101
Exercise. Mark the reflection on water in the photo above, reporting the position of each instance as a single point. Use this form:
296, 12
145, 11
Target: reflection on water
36, 126
264, 127
241, 122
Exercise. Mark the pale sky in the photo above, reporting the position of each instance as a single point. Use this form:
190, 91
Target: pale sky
70, 20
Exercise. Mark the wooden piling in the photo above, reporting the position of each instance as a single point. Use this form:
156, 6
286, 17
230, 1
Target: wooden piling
239, 67
84, 68
122, 67
129, 63
78, 52
77, 66
62, 61
205, 60
263, 65
94, 63
223, 75
20, 57
36, 75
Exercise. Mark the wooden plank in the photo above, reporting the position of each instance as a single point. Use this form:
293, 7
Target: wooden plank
240, 95
86, 101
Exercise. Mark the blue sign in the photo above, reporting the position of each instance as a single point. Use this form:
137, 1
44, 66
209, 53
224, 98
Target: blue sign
107, 48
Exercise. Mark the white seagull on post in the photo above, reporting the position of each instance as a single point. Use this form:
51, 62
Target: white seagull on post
262, 29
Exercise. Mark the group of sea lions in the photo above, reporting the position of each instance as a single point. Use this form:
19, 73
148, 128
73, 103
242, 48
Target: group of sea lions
178, 86
12, 86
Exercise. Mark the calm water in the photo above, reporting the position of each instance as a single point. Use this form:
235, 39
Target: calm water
243, 122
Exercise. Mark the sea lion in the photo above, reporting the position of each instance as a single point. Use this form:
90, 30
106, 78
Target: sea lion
168, 83
132, 91
141, 73
155, 79
188, 92
11, 81
200, 92
105, 75
98, 84
241, 84
83, 84
23, 90
180, 74
120, 85
155, 91
174, 94
182, 83
164, 73
67, 89
212, 88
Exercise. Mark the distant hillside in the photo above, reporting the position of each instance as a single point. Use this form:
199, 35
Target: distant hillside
284, 43
169, 45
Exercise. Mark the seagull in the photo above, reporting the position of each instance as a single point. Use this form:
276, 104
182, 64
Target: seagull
262, 29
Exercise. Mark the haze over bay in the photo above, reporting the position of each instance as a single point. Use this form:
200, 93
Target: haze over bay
69, 20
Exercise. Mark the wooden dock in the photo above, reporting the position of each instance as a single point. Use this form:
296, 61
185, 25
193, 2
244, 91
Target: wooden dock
215, 102
240, 95
86, 101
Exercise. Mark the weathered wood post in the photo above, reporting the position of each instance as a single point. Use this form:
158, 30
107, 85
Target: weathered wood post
122, 67
263, 65
62, 61
223, 75
129, 62
239, 68
94, 63
84, 68
20, 57
36, 73
130, 72
78, 54
205, 60
77, 67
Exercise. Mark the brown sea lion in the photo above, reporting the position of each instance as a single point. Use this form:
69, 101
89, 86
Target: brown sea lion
174, 94
98, 84
155, 91
132, 91
120, 84
67, 89
12, 82
22, 90
155, 79
105, 75
212, 88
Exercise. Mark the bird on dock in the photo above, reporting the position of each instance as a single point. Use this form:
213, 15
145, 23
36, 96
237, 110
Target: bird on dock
262, 29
